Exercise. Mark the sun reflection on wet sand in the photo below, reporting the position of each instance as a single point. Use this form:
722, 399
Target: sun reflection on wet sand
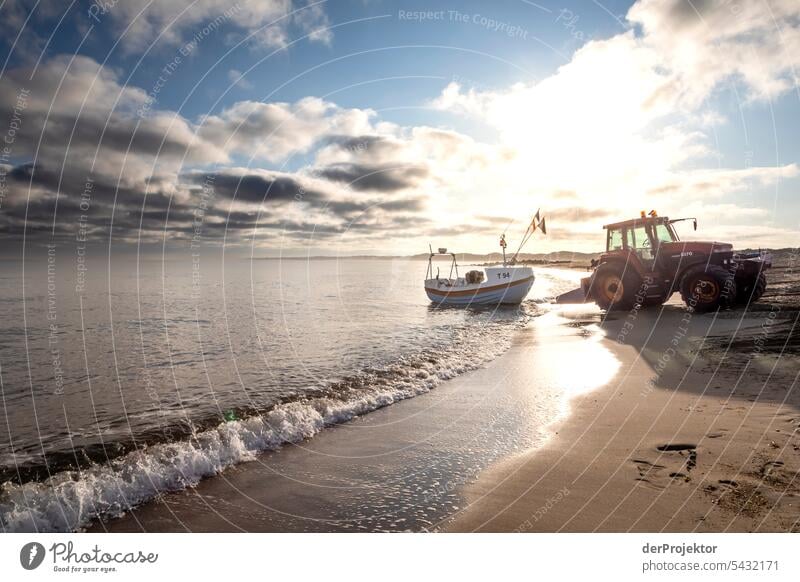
568, 367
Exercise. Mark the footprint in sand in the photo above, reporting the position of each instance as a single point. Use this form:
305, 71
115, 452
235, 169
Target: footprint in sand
795, 422
674, 463
722, 486
649, 473
686, 451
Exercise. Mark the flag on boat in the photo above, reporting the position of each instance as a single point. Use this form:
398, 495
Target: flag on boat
535, 221
538, 221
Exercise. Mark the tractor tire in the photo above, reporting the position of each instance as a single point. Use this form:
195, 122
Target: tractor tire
613, 287
706, 288
750, 290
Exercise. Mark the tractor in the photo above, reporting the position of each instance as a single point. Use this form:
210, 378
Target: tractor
645, 263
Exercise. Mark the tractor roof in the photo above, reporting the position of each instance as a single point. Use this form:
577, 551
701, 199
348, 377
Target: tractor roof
634, 222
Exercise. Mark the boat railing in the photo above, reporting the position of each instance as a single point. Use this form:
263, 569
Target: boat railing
453, 265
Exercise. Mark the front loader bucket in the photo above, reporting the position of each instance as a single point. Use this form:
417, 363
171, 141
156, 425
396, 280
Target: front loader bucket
575, 296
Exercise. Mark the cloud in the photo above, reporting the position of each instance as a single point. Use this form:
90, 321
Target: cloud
578, 214
314, 22
587, 128
377, 178
79, 132
250, 185
717, 183
140, 23
378, 147
76, 125
26, 43
74, 110
286, 194
704, 43
273, 131
236, 77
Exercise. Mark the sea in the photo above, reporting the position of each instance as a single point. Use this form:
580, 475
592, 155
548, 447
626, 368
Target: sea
123, 378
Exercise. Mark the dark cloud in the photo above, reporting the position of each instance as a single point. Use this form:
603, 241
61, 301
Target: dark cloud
385, 178
402, 205
174, 208
82, 128
278, 189
272, 189
374, 145
685, 12
70, 182
48, 203
255, 188
151, 137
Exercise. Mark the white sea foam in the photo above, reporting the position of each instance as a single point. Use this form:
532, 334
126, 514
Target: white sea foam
70, 500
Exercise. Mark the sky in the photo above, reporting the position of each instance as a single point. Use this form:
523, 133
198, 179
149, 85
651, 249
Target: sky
285, 127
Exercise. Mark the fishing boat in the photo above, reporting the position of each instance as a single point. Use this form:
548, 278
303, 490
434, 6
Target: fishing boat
507, 284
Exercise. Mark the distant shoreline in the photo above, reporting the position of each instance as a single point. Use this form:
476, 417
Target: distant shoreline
554, 257
491, 258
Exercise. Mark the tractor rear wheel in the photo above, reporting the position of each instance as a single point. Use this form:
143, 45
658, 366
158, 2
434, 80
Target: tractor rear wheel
706, 288
613, 286
751, 289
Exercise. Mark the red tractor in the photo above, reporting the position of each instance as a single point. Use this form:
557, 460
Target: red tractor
645, 263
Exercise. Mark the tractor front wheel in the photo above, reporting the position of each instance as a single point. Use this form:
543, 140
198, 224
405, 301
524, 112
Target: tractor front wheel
708, 288
614, 287
751, 289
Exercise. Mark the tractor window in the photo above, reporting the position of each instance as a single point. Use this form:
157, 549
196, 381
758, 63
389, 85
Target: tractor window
640, 238
641, 242
615, 239
664, 233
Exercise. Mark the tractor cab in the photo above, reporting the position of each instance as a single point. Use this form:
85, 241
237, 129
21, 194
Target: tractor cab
642, 236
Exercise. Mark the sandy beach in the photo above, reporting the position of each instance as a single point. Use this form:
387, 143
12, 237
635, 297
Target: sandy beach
699, 431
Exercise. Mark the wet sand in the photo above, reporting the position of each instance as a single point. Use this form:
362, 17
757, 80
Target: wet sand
699, 431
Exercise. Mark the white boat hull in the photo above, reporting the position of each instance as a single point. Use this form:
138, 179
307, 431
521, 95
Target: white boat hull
504, 286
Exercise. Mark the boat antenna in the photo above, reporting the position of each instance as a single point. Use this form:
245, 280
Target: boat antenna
503, 243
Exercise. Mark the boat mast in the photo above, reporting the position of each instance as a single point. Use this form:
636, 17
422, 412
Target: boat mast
503, 240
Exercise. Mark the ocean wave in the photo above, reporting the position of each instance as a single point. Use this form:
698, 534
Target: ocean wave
70, 500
